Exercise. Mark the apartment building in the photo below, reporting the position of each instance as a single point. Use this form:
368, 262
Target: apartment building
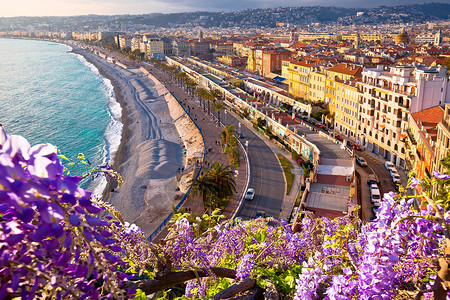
443, 140
154, 46
317, 79
429, 38
135, 43
181, 47
220, 47
420, 142
272, 58
346, 108
342, 72
388, 96
299, 74
167, 45
124, 41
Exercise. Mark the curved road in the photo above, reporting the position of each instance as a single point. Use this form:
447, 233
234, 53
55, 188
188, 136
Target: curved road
266, 175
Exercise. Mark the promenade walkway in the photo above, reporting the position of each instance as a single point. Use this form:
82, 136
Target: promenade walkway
212, 136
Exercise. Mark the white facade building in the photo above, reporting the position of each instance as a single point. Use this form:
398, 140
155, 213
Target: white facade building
388, 97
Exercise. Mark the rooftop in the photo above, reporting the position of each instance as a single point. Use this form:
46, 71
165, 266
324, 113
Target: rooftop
432, 115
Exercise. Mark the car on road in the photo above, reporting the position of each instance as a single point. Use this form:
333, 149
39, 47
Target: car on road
396, 179
361, 161
250, 194
357, 147
376, 208
339, 138
373, 178
260, 213
375, 196
388, 165
393, 171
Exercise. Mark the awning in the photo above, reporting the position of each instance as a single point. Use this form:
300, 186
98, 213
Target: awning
279, 79
382, 126
402, 135
383, 116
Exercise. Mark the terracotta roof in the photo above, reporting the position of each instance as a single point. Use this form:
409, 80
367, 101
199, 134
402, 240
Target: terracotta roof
347, 69
430, 115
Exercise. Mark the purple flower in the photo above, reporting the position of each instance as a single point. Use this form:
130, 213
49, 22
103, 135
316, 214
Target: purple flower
441, 176
94, 222
245, 267
414, 181
52, 213
74, 219
17, 146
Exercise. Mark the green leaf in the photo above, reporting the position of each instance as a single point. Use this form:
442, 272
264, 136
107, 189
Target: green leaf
140, 295
64, 157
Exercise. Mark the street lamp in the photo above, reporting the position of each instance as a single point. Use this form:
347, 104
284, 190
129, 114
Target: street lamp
239, 126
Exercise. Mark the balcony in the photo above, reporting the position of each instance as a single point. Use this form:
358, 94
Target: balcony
446, 123
411, 137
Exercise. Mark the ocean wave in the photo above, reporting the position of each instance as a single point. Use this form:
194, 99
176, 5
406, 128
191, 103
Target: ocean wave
113, 132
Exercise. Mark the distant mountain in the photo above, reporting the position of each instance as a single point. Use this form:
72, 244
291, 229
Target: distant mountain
250, 17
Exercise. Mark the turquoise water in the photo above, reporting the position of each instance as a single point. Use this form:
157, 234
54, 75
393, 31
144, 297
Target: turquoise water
49, 95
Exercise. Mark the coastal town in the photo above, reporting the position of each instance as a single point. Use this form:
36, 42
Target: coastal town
352, 113
255, 153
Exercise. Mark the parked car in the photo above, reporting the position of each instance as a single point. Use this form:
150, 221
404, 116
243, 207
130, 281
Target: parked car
375, 196
396, 179
373, 178
260, 213
388, 165
393, 171
357, 147
250, 194
361, 161
376, 208
339, 138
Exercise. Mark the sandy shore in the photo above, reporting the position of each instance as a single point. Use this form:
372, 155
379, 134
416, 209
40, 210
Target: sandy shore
158, 138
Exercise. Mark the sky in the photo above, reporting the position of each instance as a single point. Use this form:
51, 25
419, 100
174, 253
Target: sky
114, 7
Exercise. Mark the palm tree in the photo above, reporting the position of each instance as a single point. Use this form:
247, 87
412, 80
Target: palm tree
202, 93
227, 134
218, 106
203, 187
216, 94
223, 180
213, 95
191, 85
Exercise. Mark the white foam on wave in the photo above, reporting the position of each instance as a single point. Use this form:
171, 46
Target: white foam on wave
113, 132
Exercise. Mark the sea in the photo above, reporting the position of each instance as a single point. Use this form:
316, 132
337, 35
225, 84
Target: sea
50, 95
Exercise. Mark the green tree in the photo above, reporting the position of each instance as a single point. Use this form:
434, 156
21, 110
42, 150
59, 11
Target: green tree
218, 106
260, 122
203, 94
228, 134
245, 113
222, 177
202, 187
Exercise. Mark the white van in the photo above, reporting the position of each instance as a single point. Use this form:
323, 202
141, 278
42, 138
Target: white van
375, 196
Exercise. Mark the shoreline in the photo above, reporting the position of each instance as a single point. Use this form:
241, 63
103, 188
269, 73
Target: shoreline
158, 138
120, 154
